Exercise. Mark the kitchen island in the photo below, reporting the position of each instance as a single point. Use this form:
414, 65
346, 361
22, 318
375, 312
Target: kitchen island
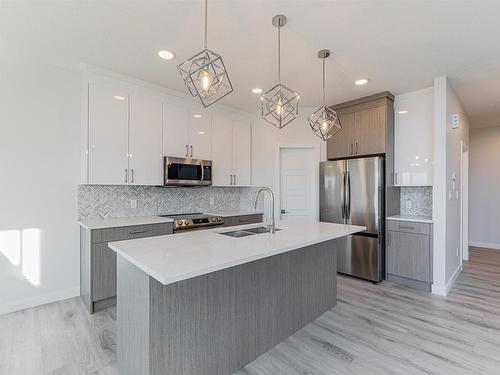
206, 303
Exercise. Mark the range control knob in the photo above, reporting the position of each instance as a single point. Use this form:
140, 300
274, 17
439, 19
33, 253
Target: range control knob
179, 222
186, 222
219, 219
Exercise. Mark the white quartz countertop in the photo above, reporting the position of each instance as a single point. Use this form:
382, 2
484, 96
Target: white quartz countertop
181, 256
230, 213
123, 222
416, 219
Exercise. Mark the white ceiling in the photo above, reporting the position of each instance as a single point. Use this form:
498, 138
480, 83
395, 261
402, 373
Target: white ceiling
400, 45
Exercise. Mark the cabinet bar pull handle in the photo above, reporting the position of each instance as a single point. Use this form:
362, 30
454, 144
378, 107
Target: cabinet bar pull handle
405, 227
191, 150
187, 150
389, 239
230, 179
351, 148
234, 179
356, 148
137, 231
126, 175
133, 175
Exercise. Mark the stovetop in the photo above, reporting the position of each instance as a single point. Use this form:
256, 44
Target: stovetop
194, 220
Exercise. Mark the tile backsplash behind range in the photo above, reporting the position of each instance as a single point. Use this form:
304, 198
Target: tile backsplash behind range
103, 201
416, 200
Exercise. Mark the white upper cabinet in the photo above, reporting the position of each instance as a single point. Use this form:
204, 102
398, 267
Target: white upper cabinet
200, 135
186, 133
231, 150
414, 138
108, 135
145, 140
242, 134
131, 127
175, 130
222, 145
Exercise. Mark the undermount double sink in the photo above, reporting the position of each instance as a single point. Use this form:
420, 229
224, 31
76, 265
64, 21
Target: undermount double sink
247, 232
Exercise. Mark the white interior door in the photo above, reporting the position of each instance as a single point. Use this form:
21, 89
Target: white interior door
175, 130
242, 153
222, 144
145, 140
299, 185
108, 135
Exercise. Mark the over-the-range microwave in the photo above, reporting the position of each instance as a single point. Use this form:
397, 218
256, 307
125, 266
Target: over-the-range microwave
186, 172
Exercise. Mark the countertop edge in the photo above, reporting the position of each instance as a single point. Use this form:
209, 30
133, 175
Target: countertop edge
135, 220
415, 219
222, 266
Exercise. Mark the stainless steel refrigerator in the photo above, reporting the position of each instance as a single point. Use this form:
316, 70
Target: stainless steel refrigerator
352, 192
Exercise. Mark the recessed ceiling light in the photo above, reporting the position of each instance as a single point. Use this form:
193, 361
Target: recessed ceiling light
166, 54
403, 112
197, 116
201, 133
257, 90
119, 97
361, 82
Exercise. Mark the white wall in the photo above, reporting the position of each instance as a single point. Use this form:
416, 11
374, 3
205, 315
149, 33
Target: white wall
39, 171
484, 187
265, 140
446, 208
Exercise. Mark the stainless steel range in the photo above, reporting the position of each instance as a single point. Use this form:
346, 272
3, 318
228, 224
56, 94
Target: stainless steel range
193, 221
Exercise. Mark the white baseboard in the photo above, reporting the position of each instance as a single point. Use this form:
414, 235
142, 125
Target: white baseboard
9, 307
443, 290
453, 278
492, 246
440, 290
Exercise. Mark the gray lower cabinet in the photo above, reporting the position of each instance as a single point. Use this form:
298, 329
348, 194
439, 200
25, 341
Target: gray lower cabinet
98, 262
409, 253
242, 220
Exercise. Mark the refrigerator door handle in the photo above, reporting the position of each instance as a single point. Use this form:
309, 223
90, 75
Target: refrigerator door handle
348, 196
342, 197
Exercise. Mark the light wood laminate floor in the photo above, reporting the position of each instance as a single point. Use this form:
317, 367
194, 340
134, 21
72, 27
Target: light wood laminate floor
374, 329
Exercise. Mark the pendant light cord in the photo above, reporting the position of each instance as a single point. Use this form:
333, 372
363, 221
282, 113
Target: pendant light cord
206, 23
324, 100
279, 52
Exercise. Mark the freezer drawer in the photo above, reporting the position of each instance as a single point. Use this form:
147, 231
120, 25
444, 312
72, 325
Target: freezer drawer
361, 257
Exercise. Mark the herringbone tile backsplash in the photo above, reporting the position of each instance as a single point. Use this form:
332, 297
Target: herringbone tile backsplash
103, 201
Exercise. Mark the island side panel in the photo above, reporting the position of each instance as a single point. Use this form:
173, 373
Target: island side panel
133, 319
217, 323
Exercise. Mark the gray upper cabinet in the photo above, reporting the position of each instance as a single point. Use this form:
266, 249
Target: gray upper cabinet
409, 252
367, 124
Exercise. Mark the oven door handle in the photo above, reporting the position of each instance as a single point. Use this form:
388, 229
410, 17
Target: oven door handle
202, 172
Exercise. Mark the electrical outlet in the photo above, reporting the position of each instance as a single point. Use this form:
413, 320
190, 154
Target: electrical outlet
133, 203
212, 201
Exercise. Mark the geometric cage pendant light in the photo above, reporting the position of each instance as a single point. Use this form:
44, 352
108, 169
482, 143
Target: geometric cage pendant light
205, 74
324, 122
279, 105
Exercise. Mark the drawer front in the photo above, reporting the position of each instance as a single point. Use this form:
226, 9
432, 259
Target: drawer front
242, 220
409, 255
129, 233
409, 227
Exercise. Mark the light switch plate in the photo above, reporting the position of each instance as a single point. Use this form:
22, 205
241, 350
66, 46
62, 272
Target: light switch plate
212, 201
133, 203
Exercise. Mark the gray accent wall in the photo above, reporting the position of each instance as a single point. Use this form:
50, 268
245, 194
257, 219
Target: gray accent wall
420, 198
104, 201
